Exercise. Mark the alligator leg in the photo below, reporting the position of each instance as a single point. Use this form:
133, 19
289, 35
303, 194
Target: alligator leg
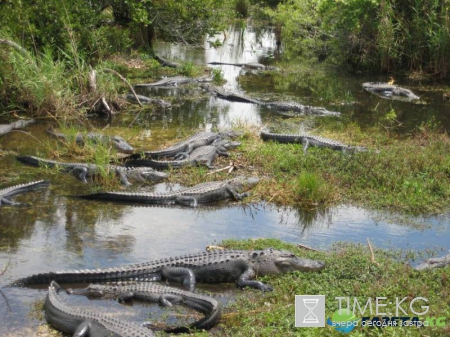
245, 281
80, 172
179, 274
123, 177
237, 196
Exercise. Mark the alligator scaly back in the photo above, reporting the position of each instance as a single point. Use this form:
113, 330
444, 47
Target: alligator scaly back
78, 321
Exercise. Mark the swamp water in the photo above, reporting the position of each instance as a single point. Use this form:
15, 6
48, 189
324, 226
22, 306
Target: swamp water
62, 232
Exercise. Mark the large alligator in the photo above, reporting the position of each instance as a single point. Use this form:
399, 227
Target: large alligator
174, 81
20, 124
216, 266
203, 155
287, 108
7, 192
84, 170
166, 296
435, 262
189, 144
307, 140
190, 196
79, 322
390, 91
118, 142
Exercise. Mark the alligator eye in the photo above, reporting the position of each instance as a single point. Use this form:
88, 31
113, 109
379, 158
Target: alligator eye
255, 255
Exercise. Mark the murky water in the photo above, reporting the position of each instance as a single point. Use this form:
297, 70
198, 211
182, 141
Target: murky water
61, 231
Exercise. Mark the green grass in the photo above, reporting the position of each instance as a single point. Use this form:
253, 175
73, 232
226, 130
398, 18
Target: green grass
408, 175
350, 272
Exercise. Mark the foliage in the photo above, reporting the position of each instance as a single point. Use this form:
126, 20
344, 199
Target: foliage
384, 35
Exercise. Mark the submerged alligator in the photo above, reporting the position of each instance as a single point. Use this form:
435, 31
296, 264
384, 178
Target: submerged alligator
79, 322
188, 145
310, 140
435, 262
165, 296
203, 155
189, 196
84, 170
166, 63
249, 65
286, 107
216, 266
147, 100
118, 142
20, 124
7, 192
174, 81
390, 91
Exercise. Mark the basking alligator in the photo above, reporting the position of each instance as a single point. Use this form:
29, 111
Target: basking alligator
11, 191
79, 322
296, 108
216, 266
166, 296
20, 124
436, 262
147, 100
189, 144
175, 81
190, 196
83, 170
309, 140
203, 155
118, 142
390, 91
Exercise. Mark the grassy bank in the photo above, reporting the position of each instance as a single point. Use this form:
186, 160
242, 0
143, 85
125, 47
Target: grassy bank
350, 272
408, 175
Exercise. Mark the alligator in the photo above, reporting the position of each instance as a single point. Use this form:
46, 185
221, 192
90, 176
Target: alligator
390, 91
436, 262
297, 108
188, 145
20, 124
77, 321
249, 65
175, 81
165, 296
216, 266
203, 155
118, 142
309, 140
167, 63
229, 95
83, 170
189, 196
147, 100
11, 191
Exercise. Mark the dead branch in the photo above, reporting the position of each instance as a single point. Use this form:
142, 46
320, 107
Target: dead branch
14, 45
299, 245
92, 80
230, 168
371, 252
126, 82
107, 108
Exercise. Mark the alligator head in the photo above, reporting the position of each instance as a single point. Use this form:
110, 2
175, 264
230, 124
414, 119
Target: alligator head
274, 261
121, 144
